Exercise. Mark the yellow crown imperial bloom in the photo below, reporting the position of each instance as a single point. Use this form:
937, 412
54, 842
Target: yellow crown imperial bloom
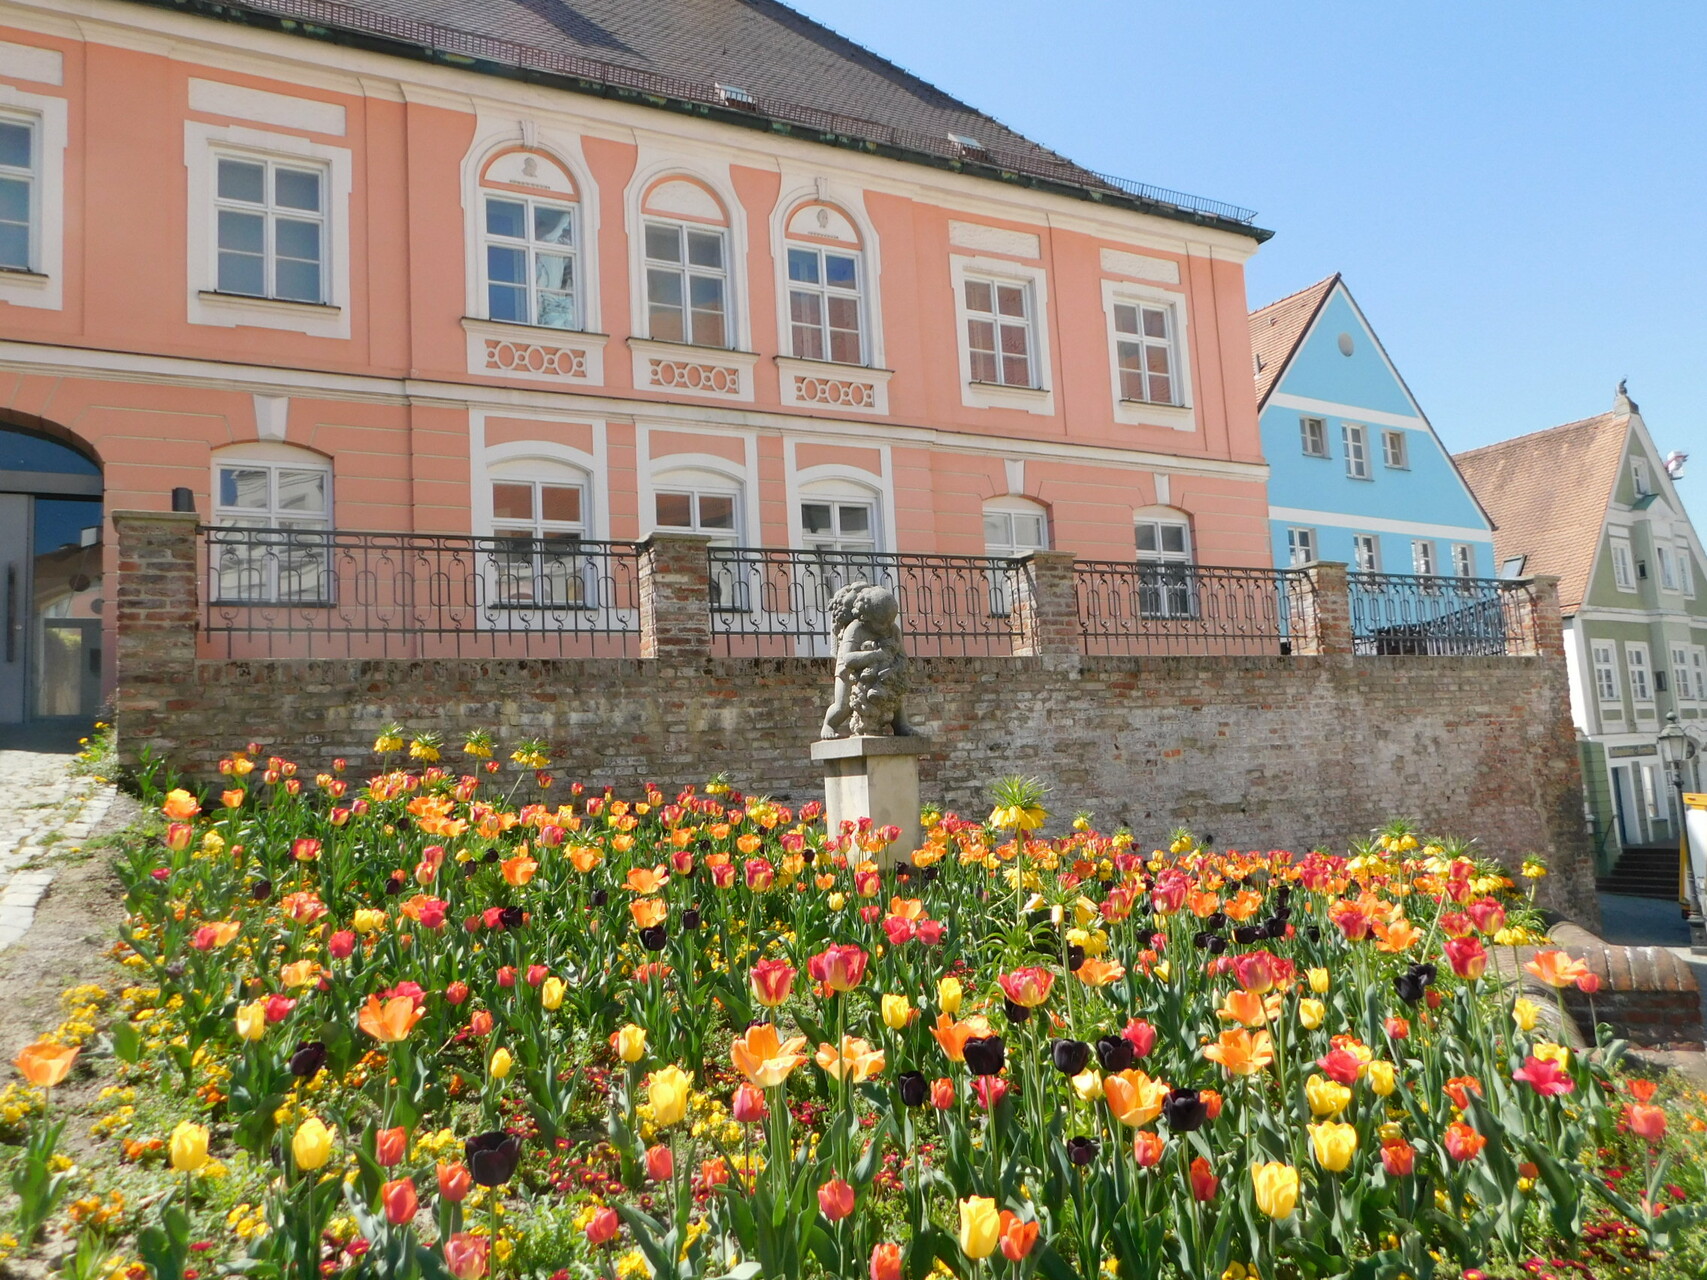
187, 1149
1276, 1186
1333, 1144
311, 1147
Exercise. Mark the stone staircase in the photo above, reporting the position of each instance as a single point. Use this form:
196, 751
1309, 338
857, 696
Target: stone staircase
1643, 873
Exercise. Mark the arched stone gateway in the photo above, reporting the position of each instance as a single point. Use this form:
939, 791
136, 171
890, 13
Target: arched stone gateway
51, 600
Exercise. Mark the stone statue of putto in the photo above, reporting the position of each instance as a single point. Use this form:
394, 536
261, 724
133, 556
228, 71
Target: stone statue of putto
871, 664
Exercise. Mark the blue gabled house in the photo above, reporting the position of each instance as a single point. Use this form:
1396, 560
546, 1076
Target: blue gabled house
1356, 473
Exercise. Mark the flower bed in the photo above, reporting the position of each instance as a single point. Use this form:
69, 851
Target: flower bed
442, 1023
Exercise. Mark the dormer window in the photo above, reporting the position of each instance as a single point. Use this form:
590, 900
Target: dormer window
733, 95
968, 145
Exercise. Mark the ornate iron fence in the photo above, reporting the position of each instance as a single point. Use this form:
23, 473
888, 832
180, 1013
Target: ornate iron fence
1412, 615
774, 602
1131, 608
302, 593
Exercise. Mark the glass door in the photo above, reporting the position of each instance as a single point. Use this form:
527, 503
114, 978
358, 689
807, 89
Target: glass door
65, 606
14, 607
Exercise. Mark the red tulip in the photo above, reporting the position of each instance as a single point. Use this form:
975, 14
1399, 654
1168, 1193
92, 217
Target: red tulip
990, 1090
305, 849
1341, 1065
400, 1201
660, 1163
455, 1181
771, 981
178, 836
341, 944
835, 1199
1545, 1076
942, 1093
1589, 983
390, 1145
465, 1255
279, 1007
1027, 987
507, 976
1462, 1142
1468, 957
1141, 1035
1203, 1181
1398, 1157
456, 993
1488, 915
1645, 1121
603, 1226
748, 1105
886, 1262
1398, 1028
1147, 1147
760, 874
840, 967
480, 1023
1016, 1237
1255, 971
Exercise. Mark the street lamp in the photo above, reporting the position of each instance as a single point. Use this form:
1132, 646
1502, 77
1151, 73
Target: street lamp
1677, 748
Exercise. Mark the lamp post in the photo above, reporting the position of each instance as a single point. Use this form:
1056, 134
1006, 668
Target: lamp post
1677, 748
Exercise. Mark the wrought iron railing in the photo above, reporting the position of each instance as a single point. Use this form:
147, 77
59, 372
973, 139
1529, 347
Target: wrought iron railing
775, 602
290, 593
1399, 614
1132, 608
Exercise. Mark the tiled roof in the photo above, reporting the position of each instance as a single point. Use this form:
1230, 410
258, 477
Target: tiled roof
1277, 329
781, 65
1547, 493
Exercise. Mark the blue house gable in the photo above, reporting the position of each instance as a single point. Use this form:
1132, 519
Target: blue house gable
1356, 473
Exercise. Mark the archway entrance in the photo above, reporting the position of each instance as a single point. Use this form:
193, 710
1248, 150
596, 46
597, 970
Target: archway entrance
50, 579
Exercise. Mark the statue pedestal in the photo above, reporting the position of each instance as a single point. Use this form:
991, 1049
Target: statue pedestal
877, 778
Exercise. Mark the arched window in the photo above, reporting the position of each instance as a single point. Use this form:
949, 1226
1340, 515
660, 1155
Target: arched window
1014, 527
1167, 583
693, 500
840, 515
685, 230
284, 494
530, 242
540, 514
826, 287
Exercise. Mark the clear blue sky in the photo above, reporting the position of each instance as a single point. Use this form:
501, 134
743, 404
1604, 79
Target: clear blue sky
1516, 192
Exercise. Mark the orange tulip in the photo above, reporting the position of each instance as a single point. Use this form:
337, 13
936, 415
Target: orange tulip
1133, 1097
1556, 969
952, 1035
1016, 1237
180, 806
648, 912
765, 1059
1244, 1007
1240, 1052
646, 879
44, 1063
518, 870
391, 1021
1096, 972
584, 858
856, 1060
1399, 936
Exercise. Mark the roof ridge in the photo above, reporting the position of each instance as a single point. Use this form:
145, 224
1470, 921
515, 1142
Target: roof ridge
1530, 435
1296, 293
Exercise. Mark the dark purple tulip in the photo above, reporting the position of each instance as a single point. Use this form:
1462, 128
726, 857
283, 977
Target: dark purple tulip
985, 1055
1070, 1056
309, 1057
1082, 1151
1116, 1053
1184, 1110
492, 1157
914, 1088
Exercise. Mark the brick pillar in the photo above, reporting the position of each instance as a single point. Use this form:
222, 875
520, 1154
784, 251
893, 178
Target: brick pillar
1045, 611
156, 614
1321, 609
1536, 627
675, 596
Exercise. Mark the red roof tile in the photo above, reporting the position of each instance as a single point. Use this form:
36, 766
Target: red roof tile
1277, 329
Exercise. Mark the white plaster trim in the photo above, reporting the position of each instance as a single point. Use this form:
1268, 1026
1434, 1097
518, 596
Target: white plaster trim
790, 371
837, 480
659, 158
1014, 473
737, 478
645, 353
1039, 399
44, 286
331, 319
217, 98
987, 239
1164, 490
590, 347
596, 464
850, 199
1140, 266
31, 62
1355, 413
1181, 417
272, 417
1380, 524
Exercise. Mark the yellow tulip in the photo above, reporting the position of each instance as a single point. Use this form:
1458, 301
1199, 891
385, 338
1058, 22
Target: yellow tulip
252, 1020
1311, 1013
1319, 981
312, 1146
188, 1147
1549, 1052
1163, 969
980, 1226
898, 1011
1333, 1144
1087, 1085
631, 1043
551, 993
367, 920
1525, 1012
500, 1064
1382, 1077
949, 994
1276, 1187
667, 1092
1326, 1097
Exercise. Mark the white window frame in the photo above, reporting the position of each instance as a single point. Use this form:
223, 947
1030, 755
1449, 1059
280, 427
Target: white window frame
1686, 570
535, 473
1698, 671
823, 291
1668, 566
1038, 398
1181, 415
1640, 480
529, 247
1366, 552
1313, 427
1144, 342
1011, 547
29, 174
1355, 438
270, 212
1682, 689
1423, 557
1169, 588
835, 539
1395, 450
204, 144
1301, 545
1604, 658
271, 458
689, 271
1623, 565
1639, 668
43, 285
1464, 559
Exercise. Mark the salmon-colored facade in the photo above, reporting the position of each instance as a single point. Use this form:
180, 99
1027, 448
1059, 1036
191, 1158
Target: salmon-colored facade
288, 268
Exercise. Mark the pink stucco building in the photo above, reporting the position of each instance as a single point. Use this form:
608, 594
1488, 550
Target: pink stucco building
408, 265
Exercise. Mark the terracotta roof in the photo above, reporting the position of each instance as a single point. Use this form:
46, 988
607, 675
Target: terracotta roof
757, 59
1277, 329
1547, 493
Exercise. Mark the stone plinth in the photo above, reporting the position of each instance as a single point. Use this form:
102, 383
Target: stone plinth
877, 778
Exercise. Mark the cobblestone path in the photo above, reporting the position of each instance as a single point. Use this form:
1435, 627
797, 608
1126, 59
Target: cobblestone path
44, 807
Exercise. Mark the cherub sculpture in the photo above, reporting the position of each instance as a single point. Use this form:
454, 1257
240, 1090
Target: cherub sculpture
871, 664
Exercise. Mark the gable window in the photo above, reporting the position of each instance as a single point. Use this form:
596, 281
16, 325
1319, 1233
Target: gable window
537, 524
687, 284
1366, 552
1422, 557
530, 261
288, 497
1144, 348
999, 331
1393, 450
1300, 546
1623, 566
270, 218
1685, 570
1636, 665
18, 150
1639, 477
824, 305
1463, 560
1356, 451
1605, 673
1668, 568
1313, 433
1682, 687
1166, 587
